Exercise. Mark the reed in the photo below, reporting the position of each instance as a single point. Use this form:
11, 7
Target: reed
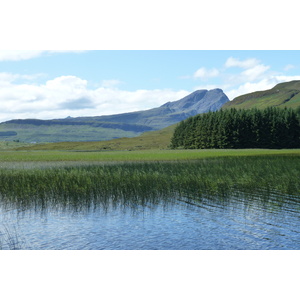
88, 185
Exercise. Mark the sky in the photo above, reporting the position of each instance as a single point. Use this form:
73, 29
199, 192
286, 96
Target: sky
57, 84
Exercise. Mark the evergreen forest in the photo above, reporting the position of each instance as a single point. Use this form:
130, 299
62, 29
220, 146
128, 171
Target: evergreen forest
273, 128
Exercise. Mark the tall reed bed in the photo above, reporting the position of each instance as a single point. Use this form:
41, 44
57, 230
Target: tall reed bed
86, 185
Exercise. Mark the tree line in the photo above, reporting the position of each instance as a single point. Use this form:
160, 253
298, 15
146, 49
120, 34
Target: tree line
269, 128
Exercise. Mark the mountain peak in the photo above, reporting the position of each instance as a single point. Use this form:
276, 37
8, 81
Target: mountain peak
197, 102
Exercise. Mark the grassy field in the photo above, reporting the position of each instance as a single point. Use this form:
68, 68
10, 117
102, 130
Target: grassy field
82, 186
131, 156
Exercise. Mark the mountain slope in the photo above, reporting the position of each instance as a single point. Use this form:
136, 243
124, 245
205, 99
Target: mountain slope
113, 126
170, 113
286, 94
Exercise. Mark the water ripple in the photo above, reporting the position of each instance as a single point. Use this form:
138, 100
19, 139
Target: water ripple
236, 222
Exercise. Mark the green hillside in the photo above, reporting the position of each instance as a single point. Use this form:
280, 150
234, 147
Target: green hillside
159, 139
285, 94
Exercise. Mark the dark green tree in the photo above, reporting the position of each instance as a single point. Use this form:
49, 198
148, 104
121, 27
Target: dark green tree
268, 128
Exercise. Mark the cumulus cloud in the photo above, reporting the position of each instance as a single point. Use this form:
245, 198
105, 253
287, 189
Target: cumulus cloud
66, 84
204, 73
254, 73
249, 87
70, 95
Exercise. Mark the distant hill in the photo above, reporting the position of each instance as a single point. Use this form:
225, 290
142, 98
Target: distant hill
158, 139
286, 94
113, 126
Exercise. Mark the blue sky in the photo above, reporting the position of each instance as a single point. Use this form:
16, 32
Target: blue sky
57, 84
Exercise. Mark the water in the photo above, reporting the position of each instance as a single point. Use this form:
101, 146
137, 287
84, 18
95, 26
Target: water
176, 224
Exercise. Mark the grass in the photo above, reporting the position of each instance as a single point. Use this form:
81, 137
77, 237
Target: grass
81, 186
131, 156
267, 101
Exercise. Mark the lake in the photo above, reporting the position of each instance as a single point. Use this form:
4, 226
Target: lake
178, 223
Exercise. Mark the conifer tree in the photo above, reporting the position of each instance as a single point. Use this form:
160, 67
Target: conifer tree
268, 128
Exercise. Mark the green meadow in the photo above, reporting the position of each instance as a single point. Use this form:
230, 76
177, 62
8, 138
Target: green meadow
131, 156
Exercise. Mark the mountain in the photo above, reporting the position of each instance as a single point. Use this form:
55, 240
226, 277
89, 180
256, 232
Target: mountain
286, 94
170, 113
113, 126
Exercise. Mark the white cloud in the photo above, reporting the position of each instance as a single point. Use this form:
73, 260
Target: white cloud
7, 78
254, 73
204, 73
67, 84
249, 87
244, 64
253, 70
16, 55
70, 95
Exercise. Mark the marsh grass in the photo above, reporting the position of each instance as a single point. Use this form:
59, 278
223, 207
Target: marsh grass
86, 186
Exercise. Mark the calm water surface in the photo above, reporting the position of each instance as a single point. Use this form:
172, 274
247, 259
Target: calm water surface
179, 224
